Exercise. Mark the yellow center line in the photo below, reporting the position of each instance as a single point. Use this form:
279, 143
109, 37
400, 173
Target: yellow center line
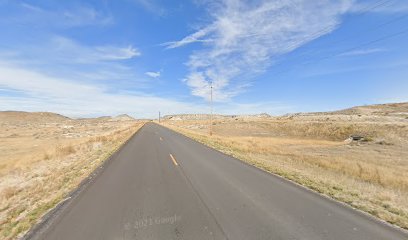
174, 160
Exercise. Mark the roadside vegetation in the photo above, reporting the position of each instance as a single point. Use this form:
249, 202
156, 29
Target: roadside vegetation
314, 151
42, 161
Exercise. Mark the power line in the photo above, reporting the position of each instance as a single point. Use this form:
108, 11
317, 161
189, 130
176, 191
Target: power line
328, 29
378, 40
353, 48
399, 18
376, 5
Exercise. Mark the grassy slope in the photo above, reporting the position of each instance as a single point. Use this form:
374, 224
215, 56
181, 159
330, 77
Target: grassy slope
47, 180
371, 177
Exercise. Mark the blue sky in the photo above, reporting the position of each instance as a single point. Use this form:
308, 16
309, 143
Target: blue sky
92, 58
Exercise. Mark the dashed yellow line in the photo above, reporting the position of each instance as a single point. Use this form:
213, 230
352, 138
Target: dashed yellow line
174, 160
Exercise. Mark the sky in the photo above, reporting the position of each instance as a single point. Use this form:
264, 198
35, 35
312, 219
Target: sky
108, 57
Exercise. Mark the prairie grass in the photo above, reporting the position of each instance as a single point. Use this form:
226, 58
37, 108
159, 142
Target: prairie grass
63, 151
37, 174
370, 175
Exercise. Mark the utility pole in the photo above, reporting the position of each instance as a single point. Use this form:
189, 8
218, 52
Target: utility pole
159, 116
211, 108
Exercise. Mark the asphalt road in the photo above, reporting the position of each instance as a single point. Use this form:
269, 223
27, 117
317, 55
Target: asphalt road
162, 185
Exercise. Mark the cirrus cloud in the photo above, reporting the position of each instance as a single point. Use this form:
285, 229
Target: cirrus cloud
153, 74
244, 38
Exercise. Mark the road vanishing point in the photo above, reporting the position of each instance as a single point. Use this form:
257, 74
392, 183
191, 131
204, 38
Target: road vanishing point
163, 185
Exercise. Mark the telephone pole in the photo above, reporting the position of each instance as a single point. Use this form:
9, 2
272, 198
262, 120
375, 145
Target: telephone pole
211, 108
159, 116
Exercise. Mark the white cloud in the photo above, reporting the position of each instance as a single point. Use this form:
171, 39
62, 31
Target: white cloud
153, 74
61, 56
361, 52
244, 38
117, 53
29, 90
39, 92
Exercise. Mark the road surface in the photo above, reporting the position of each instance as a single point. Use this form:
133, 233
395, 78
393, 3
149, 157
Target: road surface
162, 185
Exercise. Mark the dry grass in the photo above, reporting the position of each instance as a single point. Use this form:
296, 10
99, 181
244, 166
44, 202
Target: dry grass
44, 160
371, 175
62, 151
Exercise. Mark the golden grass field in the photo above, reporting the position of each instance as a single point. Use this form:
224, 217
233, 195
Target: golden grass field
44, 156
313, 150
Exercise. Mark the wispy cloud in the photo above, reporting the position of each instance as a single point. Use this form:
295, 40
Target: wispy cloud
40, 92
151, 6
30, 90
244, 38
72, 50
61, 56
153, 74
85, 16
43, 70
31, 7
361, 52
117, 53
195, 37
64, 16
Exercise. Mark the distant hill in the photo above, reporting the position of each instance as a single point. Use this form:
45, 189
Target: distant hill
394, 109
17, 116
391, 109
368, 112
123, 117
102, 118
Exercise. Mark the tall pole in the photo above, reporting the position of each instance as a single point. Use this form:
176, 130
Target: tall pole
211, 108
159, 116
